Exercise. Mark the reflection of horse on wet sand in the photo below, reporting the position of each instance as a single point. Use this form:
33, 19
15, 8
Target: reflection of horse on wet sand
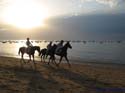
31, 52
52, 53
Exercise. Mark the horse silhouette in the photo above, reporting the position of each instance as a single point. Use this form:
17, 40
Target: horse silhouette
44, 54
52, 53
31, 52
63, 53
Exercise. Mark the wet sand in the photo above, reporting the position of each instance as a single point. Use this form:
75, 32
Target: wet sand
80, 78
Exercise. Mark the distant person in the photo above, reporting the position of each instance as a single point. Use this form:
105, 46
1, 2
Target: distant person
29, 45
49, 46
59, 46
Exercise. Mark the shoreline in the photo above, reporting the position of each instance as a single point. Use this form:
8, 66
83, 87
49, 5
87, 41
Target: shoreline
80, 61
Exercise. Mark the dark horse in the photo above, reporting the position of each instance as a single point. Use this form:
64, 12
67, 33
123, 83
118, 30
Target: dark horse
62, 54
31, 52
44, 54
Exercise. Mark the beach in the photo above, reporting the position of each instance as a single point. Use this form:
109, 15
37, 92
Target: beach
79, 78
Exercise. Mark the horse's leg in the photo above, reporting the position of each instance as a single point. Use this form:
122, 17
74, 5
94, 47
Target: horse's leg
29, 58
33, 58
54, 60
41, 58
44, 58
34, 61
21, 56
60, 60
67, 60
21, 60
49, 59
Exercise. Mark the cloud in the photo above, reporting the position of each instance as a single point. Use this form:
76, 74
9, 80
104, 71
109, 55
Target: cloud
86, 0
111, 3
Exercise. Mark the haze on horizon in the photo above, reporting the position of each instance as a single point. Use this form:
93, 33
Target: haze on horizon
68, 20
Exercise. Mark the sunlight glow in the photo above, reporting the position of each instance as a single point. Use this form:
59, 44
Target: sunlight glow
25, 14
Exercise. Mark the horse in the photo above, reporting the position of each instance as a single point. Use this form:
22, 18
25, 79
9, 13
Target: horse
31, 52
44, 53
62, 54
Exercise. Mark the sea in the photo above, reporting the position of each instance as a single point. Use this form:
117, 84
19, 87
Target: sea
82, 51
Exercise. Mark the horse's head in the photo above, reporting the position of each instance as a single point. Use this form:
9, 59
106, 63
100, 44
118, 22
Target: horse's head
68, 45
37, 48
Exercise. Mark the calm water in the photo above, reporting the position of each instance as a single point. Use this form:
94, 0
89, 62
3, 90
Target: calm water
113, 52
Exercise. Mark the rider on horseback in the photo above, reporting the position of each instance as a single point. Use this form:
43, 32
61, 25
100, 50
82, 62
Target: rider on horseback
59, 46
49, 46
29, 45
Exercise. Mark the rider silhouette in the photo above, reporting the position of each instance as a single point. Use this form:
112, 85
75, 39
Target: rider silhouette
59, 46
29, 45
49, 46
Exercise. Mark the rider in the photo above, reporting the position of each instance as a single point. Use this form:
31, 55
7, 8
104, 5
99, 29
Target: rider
49, 46
59, 46
29, 44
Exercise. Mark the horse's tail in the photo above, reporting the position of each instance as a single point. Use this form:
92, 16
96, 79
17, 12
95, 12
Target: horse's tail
19, 51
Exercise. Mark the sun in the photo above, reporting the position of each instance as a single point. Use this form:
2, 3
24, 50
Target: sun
25, 14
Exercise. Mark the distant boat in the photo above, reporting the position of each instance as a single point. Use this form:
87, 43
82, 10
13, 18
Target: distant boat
84, 42
101, 42
40, 41
45, 41
119, 41
73, 41
16, 42
10, 42
4, 41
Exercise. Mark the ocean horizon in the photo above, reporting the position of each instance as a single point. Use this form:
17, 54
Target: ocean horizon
107, 51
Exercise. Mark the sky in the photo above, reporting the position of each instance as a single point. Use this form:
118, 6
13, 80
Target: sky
69, 19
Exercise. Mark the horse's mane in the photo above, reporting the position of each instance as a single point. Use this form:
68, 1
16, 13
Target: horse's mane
66, 44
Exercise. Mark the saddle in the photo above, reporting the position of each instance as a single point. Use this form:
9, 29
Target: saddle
28, 49
58, 51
